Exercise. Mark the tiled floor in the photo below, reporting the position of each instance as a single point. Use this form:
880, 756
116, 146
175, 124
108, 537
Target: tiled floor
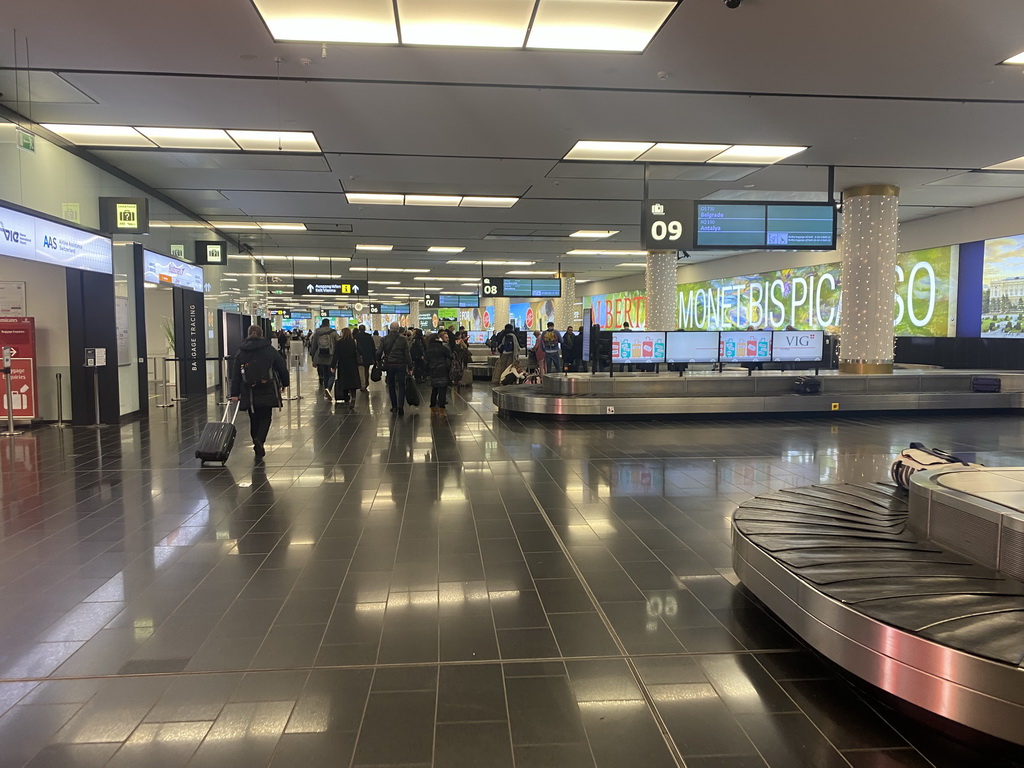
473, 591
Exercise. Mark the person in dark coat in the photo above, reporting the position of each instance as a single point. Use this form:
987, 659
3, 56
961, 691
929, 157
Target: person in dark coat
367, 352
439, 369
418, 352
345, 367
396, 357
262, 397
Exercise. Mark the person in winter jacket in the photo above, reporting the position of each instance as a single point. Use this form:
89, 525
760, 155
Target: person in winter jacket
367, 351
345, 367
418, 351
439, 366
396, 358
258, 376
321, 349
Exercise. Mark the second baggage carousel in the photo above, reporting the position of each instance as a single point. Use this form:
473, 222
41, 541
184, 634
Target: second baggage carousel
584, 395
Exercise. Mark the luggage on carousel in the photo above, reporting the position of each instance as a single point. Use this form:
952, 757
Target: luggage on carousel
986, 384
918, 457
218, 437
807, 385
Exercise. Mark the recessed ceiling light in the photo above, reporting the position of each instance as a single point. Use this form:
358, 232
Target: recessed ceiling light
285, 141
755, 154
608, 150
597, 25
594, 234
445, 249
632, 264
442, 279
579, 252
188, 138
304, 258
445, 200
477, 23
281, 226
682, 153
366, 247
100, 135
364, 21
489, 202
1016, 164
368, 198
1018, 59
530, 272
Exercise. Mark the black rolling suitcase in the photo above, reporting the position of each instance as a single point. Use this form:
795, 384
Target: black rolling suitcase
218, 438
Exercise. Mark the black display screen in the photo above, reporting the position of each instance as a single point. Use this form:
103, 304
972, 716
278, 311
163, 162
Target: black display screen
774, 226
394, 309
522, 287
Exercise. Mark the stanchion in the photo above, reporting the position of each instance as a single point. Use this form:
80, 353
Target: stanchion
11, 432
298, 382
60, 404
96, 394
167, 403
224, 382
177, 382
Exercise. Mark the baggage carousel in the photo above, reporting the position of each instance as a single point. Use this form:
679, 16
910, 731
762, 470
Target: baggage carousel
922, 599
584, 395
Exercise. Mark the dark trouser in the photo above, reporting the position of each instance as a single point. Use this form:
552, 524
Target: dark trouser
324, 372
342, 394
364, 375
259, 423
552, 362
439, 396
396, 384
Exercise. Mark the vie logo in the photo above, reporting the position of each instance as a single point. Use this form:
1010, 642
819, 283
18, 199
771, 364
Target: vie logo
13, 235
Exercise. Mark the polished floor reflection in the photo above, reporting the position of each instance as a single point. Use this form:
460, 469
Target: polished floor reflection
424, 591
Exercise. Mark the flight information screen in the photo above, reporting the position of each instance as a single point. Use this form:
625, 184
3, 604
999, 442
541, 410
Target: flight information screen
736, 225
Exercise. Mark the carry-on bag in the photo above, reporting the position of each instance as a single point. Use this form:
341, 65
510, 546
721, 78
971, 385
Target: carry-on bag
218, 437
919, 457
807, 385
375, 373
986, 384
412, 392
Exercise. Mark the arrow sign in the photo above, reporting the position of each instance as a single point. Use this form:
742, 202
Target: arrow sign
329, 287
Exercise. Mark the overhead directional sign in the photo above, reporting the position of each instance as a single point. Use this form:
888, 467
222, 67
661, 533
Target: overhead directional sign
375, 309
666, 225
321, 287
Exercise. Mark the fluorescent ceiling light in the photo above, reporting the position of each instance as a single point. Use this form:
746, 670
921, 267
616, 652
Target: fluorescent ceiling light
385, 282
1018, 59
492, 263
605, 253
367, 198
477, 23
188, 138
475, 283
598, 25
234, 225
367, 247
100, 135
444, 249
1016, 164
682, 153
324, 21
281, 227
529, 272
594, 234
608, 150
489, 202
285, 141
442, 279
447, 200
304, 258
632, 264
755, 154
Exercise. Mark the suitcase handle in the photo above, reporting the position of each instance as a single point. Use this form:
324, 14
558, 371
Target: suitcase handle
228, 410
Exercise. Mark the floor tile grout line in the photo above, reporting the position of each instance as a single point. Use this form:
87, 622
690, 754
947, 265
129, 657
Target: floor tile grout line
659, 721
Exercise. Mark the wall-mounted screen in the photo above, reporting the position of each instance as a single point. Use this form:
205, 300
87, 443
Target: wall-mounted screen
394, 309
638, 347
163, 270
477, 337
775, 226
745, 346
797, 346
691, 347
457, 301
296, 314
522, 287
338, 313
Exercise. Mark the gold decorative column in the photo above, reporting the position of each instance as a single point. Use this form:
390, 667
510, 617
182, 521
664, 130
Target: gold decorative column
662, 296
868, 246
501, 313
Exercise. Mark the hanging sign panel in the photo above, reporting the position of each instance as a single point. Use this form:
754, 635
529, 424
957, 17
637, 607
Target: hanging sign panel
32, 238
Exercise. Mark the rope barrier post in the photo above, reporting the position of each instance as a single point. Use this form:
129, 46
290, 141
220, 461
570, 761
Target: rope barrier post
11, 432
60, 403
167, 398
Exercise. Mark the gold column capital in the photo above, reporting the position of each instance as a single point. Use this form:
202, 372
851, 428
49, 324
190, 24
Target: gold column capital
864, 190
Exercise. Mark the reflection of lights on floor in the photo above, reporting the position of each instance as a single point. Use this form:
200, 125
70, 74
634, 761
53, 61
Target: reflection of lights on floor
611, 704
143, 629
683, 692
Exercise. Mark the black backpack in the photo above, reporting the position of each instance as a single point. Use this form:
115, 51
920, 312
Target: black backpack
258, 370
508, 344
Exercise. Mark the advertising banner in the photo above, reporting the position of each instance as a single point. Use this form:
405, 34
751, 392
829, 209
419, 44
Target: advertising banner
163, 270
745, 346
809, 298
19, 333
533, 315
1002, 297
611, 310
638, 347
35, 239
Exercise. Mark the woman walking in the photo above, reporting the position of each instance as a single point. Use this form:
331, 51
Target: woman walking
439, 369
345, 367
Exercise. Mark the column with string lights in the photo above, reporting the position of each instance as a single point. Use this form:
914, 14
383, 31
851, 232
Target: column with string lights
563, 304
502, 310
869, 249
414, 313
662, 294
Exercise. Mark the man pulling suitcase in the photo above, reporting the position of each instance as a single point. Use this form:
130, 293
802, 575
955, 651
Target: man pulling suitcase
258, 377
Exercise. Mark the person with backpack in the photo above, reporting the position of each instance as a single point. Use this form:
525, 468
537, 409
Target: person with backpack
321, 349
345, 367
570, 350
396, 359
257, 380
551, 343
506, 345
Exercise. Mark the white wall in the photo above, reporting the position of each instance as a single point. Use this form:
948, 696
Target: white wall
983, 223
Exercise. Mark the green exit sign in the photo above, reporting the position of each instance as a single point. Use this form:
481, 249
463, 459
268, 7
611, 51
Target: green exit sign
26, 141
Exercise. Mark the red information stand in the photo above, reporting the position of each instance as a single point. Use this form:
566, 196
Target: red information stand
19, 333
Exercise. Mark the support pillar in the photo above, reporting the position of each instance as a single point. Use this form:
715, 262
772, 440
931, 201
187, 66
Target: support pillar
662, 295
563, 305
414, 313
869, 249
502, 311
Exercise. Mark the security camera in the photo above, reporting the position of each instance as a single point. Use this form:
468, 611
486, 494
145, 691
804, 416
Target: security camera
733, 3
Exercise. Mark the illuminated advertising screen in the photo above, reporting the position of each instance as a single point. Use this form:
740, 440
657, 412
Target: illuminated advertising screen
638, 347
23, 236
478, 337
163, 270
1002, 298
691, 347
611, 310
745, 346
797, 346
